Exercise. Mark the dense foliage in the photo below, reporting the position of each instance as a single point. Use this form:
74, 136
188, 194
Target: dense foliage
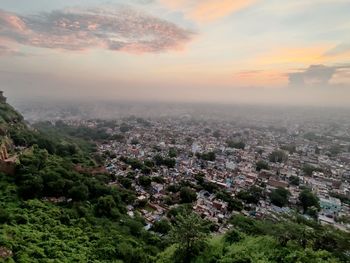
294, 239
58, 207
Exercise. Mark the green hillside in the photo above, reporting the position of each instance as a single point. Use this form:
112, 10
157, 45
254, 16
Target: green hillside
9, 116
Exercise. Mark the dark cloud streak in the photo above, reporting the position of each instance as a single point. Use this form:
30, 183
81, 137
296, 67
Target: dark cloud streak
315, 76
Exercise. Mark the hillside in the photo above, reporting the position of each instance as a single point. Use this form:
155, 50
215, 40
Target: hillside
52, 212
9, 117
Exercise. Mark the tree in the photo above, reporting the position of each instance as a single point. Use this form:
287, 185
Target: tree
236, 144
4, 216
309, 169
187, 195
207, 156
105, 205
172, 153
294, 180
200, 178
233, 236
291, 148
125, 127
173, 188
162, 226
235, 204
79, 193
217, 134
261, 165
134, 141
31, 188
148, 163
278, 156
252, 195
279, 196
189, 233
146, 170
125, 182
308, 199
145, 181
169, 162
158, 159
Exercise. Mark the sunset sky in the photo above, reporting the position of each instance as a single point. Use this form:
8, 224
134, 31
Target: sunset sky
239, 51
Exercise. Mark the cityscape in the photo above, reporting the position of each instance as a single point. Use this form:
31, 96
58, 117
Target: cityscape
214, 157
174, 131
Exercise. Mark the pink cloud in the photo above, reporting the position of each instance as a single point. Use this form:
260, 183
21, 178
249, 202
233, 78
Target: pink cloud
121, 29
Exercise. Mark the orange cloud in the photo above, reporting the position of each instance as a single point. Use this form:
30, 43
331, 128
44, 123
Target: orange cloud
268, 78
303, 55
208, 10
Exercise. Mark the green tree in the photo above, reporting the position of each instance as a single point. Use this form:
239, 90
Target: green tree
145, 181
261, 165
172, 153
236, 144
233, 236
126, 182
278, 156
207, 156
189, 234
294, 180
308, 199
105, 206
79, 193
309, 169
289, 148
187, 195
279, 196
162, 226
251, 195
217, 134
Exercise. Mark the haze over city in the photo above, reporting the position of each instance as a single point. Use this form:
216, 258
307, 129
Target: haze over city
245, 51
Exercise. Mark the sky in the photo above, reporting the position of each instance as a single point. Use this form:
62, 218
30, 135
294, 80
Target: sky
228, 51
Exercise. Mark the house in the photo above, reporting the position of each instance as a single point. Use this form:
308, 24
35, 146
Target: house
330, 205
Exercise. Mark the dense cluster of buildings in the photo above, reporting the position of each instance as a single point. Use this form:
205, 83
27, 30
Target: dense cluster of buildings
238, 144
234, 168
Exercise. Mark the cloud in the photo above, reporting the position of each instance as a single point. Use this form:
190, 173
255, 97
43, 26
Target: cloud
293, 55
339, 50
318, 76
120, 29
8, 51
270, 78
208, 10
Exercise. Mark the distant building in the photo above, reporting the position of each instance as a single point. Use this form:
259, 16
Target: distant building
2, 97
